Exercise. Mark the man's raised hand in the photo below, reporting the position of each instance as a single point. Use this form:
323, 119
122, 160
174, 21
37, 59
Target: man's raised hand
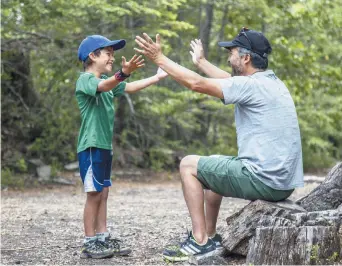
133, 64
149, 48
197, 52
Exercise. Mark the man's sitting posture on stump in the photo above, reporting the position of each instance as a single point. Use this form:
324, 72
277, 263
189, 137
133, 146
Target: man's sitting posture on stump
269, 162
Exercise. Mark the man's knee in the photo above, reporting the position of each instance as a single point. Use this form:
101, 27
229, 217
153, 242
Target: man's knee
189, 164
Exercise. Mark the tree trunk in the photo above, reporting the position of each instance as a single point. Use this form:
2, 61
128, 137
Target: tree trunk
206, 27
224, 22
328, 195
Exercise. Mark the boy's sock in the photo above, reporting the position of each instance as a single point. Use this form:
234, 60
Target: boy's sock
102, 236
89, 238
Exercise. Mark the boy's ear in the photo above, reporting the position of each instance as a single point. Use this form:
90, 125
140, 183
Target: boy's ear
92, 56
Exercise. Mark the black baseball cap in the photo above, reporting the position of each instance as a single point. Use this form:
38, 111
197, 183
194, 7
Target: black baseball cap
251, 40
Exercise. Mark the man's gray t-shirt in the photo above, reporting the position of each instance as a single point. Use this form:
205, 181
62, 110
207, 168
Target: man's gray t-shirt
267, 128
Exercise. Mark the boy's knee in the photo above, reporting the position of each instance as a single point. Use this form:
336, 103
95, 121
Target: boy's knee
94, 195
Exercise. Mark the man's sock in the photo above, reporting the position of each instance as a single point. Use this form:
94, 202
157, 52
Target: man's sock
198, 242
89, 238
102, 236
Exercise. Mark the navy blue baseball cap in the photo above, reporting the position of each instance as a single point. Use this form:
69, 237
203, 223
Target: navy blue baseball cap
94, 42
251, 40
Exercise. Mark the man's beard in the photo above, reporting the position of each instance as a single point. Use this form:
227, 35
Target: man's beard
236, 71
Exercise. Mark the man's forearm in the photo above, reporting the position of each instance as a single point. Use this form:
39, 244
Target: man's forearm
140, 84
181, 74
211, 70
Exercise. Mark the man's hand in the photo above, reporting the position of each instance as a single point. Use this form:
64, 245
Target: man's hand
150, 49
132, 65
197, 52
161, 74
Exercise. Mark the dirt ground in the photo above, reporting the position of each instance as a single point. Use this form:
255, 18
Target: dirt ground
44, 226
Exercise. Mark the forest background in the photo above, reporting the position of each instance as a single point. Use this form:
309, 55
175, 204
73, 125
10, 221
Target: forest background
159, 125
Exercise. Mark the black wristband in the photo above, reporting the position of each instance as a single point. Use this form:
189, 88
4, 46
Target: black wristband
120, 75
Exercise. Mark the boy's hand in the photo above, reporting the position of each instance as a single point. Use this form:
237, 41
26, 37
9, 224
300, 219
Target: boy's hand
197, 52
161, 73
133, 64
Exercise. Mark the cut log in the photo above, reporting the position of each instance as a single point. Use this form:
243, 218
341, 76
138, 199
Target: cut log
294, 245
242, 225
326, 196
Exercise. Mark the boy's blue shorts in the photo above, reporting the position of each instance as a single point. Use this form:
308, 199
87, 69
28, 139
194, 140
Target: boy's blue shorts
95, 168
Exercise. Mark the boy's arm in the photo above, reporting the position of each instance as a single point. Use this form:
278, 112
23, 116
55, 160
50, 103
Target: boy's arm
138, 85
127, 68
201, 62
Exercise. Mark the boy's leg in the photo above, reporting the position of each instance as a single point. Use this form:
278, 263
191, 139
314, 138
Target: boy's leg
91, 210
101, 218
194, 196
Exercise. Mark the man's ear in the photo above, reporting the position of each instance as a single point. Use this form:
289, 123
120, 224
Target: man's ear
248, 58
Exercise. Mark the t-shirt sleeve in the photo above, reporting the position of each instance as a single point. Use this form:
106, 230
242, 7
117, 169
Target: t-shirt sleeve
119, 89
236, 90
88, 84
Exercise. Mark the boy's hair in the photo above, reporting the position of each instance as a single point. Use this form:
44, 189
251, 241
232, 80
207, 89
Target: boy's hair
87, 63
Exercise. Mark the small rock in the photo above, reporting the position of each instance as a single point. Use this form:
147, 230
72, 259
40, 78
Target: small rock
44, 172
71, 166
17, 262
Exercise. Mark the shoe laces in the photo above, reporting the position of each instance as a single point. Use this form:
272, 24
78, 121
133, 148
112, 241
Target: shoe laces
114, 242
95, 245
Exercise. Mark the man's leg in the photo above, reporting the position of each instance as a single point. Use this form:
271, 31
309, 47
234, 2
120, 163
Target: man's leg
212, 207
91, 210
194, 196
101, 218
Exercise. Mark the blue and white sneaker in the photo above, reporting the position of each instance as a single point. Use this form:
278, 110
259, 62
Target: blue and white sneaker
189, 248
217, 238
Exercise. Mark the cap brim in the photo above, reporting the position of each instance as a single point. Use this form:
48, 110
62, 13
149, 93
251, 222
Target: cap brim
117, 44
227, 44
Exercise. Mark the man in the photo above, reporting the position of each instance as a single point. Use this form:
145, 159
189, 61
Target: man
269, 161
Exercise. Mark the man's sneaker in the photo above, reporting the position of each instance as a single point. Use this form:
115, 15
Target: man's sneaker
189, 248
96, 250
217, 238
117, 246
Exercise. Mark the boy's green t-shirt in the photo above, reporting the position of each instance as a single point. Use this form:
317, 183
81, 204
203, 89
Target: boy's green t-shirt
97, 112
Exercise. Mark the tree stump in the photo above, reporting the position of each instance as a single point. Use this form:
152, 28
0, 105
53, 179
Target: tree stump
242, 225
288, 233
310, 238
304, 245
328, 195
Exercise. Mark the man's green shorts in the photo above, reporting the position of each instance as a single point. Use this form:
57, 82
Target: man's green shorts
227, 176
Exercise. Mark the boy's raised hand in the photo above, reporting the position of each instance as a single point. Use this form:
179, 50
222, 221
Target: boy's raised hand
197, 52
161, 73
133, 64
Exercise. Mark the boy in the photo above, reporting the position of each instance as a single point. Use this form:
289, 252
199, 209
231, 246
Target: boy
95, 93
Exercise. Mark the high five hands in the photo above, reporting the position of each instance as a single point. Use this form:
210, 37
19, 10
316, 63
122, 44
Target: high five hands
149, 48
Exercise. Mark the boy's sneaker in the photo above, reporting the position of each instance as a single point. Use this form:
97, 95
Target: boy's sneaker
217, 238
96, 250
117, 246
189, 248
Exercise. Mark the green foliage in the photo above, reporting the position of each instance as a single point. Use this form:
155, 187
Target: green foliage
9, 179
40, 117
